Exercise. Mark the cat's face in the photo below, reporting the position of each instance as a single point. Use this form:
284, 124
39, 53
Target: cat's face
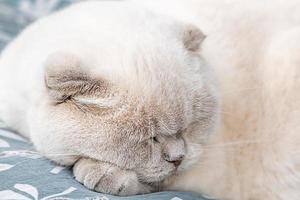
152, 119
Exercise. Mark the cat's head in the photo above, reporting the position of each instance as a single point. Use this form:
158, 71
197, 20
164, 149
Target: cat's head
150, 108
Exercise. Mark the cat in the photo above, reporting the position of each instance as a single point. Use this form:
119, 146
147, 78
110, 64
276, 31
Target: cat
196, 95
254, 49
117, 91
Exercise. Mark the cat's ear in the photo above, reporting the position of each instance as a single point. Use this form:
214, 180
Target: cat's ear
192, 38
65, 78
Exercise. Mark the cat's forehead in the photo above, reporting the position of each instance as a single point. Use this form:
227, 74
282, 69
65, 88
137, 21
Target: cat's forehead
165, 128
167, 120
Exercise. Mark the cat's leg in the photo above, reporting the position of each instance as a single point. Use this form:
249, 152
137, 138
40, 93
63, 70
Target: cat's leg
107, 178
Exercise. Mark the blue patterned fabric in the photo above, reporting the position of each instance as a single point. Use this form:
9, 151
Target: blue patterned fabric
17, 14
24, 174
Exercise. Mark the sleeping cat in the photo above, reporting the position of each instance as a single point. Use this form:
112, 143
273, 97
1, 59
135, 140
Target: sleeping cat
115, 90
194, 95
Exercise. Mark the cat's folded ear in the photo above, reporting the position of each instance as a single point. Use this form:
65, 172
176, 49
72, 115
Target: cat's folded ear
192, 38
65, 78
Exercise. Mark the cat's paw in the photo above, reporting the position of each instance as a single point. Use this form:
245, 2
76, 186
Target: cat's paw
106, 178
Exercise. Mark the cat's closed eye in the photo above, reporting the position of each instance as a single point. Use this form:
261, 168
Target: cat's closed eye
180, 133
154, 139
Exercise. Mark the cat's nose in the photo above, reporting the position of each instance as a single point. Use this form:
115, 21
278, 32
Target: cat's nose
175, 160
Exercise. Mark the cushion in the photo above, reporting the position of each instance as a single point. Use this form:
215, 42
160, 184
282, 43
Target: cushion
24, 173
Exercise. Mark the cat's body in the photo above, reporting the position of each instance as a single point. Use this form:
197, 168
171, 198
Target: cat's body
254, 48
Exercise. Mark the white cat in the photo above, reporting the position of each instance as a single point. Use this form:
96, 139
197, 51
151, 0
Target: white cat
113, 89
124, 91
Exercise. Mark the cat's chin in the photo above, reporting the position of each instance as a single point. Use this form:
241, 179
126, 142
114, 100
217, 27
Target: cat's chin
186, 165
181, 170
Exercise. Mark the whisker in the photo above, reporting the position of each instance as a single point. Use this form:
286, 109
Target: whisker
234, 143
78, 105
241, 90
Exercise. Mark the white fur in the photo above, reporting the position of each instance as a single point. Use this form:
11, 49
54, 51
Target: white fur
100, 80
252, 45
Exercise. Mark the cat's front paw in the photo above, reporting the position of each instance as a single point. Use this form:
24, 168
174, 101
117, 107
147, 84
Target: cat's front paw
106, 178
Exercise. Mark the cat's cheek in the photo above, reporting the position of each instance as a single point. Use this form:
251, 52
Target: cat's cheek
194, 152
45, 135
154, 168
